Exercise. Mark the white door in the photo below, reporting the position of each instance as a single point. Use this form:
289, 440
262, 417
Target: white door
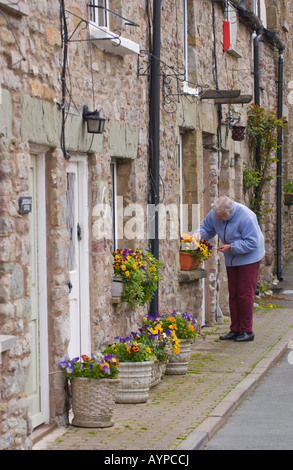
78, 257
38, 377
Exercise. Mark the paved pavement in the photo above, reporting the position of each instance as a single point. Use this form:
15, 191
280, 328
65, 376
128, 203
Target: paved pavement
184, 412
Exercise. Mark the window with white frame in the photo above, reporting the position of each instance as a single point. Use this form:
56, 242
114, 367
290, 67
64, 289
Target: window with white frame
114, 204
99, 12
187, 88
102, 17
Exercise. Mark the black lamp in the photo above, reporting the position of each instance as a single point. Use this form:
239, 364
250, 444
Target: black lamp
95, 123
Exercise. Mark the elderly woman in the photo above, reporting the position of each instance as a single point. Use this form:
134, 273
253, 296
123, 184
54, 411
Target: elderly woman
243, 248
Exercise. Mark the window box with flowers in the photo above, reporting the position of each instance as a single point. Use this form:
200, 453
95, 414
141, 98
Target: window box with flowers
193, 253
139, 272
93, 386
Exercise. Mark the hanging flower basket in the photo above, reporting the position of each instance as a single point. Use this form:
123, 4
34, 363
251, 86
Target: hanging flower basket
288, 199
117, 287
238, 132
188, 261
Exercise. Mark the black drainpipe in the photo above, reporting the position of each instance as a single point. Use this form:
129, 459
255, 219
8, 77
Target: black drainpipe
274, 37
256, 75
154, 169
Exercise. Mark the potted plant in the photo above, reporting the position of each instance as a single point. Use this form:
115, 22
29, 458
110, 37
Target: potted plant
185, 327
140, 272
163, 343
193, 253
135, 368
93, 384
288, 194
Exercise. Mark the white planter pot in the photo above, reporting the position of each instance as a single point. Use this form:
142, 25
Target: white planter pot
135, 381
158, 370
117, 287
178, 363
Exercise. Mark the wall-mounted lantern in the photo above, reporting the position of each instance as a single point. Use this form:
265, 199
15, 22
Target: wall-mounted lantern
95, 123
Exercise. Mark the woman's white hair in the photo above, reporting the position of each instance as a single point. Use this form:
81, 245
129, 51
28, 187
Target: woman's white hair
223, 206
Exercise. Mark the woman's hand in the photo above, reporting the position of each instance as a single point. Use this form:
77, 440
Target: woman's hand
224, 248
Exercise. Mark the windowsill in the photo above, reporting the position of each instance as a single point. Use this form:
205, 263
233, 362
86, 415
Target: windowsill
17, 8
109, 41
235, 52
6, 342
185, 277
188, 90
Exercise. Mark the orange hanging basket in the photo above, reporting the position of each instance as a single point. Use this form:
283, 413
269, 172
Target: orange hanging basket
188, 262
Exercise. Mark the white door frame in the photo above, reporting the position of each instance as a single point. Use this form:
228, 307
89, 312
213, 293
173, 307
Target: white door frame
40, 207
83, 245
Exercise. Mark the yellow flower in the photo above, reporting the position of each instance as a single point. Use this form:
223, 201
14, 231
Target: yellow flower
123, 267
134, 266
171, 319
127, 273
191, 327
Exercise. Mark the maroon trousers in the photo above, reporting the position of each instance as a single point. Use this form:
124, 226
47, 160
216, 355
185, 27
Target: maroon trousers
242, 282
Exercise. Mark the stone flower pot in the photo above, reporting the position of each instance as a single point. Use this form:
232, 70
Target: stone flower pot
93, 401
178, 363
158, 370
135, 381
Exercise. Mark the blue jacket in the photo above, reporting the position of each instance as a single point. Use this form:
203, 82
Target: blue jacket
241, 231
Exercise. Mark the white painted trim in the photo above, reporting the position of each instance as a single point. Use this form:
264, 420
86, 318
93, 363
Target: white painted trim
108, 41
83, 245
42, 282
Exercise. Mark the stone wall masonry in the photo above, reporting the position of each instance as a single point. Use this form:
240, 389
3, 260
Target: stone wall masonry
15, 424
31, 118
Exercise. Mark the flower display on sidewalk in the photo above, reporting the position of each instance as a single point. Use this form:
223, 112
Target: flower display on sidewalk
163, 343
98, 366
183, 324
130, 349
201, 250
140, 272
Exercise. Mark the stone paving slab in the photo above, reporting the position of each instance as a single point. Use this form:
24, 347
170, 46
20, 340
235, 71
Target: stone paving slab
184, 411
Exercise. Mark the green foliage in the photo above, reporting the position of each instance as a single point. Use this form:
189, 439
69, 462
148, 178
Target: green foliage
140, 272
288, 187
262, 130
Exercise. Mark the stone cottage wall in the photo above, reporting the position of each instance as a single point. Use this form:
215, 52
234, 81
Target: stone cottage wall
31, 123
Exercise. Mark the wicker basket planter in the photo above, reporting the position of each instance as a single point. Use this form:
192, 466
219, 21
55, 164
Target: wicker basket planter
93, 402
178, 363
135, 381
